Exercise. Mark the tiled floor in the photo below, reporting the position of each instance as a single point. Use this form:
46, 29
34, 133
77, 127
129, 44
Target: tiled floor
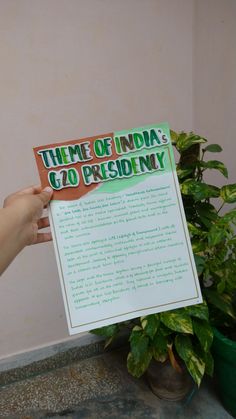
97, 388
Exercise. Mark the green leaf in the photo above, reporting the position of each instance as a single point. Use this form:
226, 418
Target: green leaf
209, 364
150, 324
196, 367
140, 355
182, 173
193, 362
159, 347
198, 245
173, 136
221, 287
213, 148
222, 301
207, 210
185, 141
177, 322
181, 139
207, 213
228, 217
165, 331
137, 328
216, 235
106, 331
139, 344
205, 222
206, 357
138, 367
204, 333
195, 231
200, 263
199, 310
199, 190
228, 193
183, 345
214, 164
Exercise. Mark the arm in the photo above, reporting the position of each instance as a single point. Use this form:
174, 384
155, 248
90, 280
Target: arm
20, 220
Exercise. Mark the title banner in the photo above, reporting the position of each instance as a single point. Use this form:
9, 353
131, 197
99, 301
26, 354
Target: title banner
73, 168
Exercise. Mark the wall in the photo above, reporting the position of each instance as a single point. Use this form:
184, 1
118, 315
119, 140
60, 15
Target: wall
214, 73
71, 69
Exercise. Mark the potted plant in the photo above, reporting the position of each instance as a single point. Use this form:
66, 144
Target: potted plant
224, 350
184, 336
181, 338
214, 244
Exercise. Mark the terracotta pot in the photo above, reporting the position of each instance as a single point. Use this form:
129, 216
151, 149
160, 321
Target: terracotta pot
167, 383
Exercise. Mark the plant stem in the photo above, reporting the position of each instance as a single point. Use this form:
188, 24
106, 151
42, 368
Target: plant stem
220, 207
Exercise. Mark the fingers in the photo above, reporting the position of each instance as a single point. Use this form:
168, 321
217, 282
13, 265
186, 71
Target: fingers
33, 190
43, 223
43, 238
30, 190
45, 195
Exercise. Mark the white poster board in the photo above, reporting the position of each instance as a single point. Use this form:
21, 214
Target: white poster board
122, 248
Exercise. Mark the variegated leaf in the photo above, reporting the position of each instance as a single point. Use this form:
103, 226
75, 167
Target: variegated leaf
178, 322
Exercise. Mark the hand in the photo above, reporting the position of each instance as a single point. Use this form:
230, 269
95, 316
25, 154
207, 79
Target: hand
27, 206
20, 221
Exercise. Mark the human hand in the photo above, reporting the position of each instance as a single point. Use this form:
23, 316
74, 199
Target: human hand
27, 207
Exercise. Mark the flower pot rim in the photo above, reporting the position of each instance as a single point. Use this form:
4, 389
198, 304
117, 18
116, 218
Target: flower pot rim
223, 338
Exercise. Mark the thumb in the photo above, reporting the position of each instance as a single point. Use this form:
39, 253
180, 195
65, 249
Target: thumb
45, 195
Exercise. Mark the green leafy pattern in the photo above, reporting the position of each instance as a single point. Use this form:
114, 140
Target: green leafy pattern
177, 321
